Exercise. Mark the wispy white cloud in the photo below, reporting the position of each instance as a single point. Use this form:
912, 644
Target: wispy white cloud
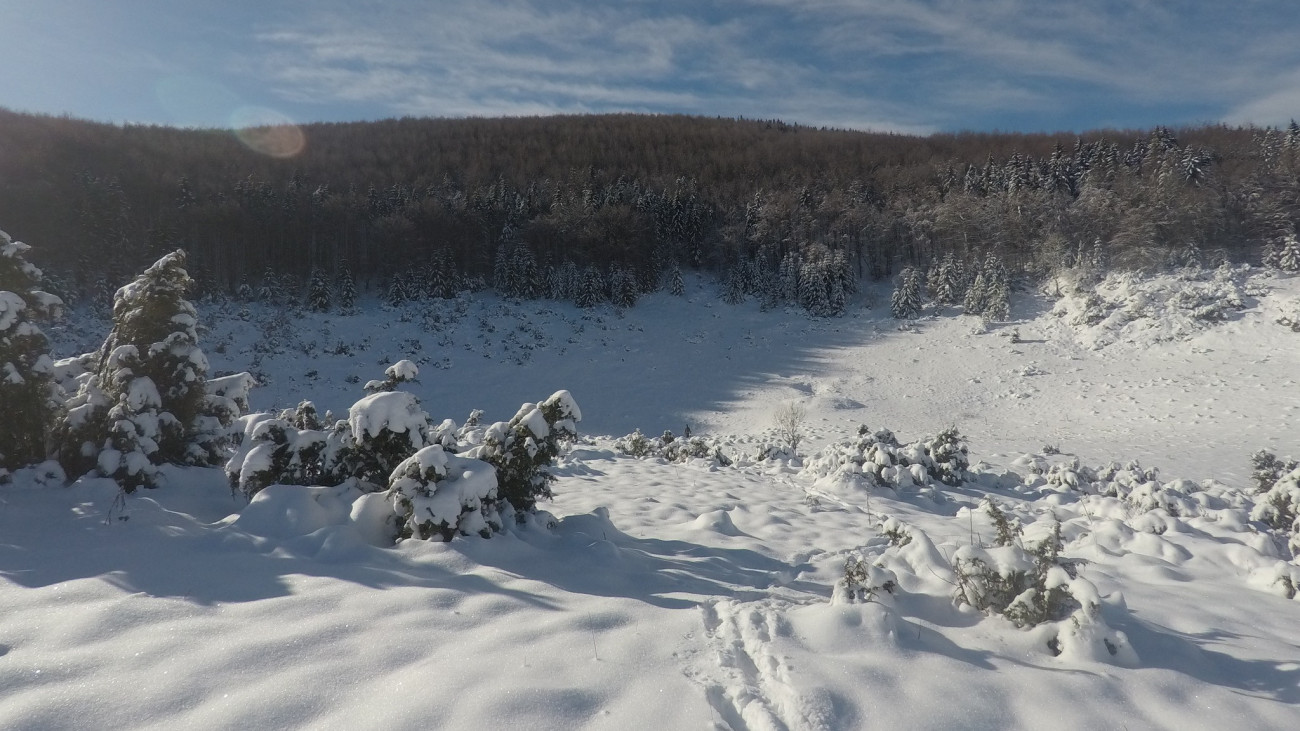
891, 64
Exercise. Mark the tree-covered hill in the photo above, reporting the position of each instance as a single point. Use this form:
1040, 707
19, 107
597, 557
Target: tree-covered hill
538, 206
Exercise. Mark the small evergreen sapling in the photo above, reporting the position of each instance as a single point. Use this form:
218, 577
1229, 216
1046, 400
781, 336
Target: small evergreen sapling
437, 495
523, 449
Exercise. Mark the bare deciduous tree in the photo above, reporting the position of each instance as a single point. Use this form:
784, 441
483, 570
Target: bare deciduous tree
789, 424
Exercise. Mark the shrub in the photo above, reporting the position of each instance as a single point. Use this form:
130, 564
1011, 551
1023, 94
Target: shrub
437, 495
1026, 587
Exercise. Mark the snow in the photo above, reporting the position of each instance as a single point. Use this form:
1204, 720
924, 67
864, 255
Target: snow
395, 411
682, 592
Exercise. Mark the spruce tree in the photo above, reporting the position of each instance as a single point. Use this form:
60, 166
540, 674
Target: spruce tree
320, 296
905, 304
145, 401
27, 387
347, 291
976, 296
676, 284
1288, 255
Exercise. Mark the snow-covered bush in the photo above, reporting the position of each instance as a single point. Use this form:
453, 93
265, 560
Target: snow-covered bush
672, 448
864, 582
27, 385
1026, 587
381, 431
523, 449
1279, 507
1267, 469
879, 458
277, 452
437, 495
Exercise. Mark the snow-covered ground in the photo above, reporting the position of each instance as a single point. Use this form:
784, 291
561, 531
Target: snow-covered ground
694, 595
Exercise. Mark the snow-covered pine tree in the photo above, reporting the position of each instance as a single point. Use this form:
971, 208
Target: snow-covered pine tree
142, 404
976, 295
997, 305
590, 291
501, 271
347, 291
396, 294
676, 284
946, 285
905, 303
320, 296
268, 290
381, 430
442, 278
435, 494
523, 449
1288, 255
733, 288
622, 287
788, 277
523, 279
27, 387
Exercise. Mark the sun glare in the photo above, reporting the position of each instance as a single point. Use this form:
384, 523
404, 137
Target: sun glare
268, 132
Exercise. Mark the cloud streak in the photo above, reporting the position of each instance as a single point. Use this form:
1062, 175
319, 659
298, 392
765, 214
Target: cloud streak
903, 65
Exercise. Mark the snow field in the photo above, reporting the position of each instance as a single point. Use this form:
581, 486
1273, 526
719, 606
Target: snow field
691, 595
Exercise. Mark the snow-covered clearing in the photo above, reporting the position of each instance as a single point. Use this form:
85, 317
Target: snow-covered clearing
694, 595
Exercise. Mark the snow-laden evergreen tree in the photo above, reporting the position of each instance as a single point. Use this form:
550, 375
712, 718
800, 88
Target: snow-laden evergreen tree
244, 291
1288, 254
145, 401
591, 289
945, 286
269, 289
320, 296
977, 295
676, 284
905, 303
523, 449
381, 430
997, 306
442, 277
733, 287
27, 387
501, 271
396, 294
622, 287
523, 280
347, 291
438, 495
788, 277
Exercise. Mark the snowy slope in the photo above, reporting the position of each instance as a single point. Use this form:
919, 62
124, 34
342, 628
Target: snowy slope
689, 595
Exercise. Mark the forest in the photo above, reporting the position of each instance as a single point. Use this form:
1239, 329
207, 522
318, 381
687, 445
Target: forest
607, 207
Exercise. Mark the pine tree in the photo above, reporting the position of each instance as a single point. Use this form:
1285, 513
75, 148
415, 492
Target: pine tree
27, 387
622, 287
976, 296
145, 401
676, 284
733, 289
347, 291
997, 305
905, 304
946, 284
591, 290
319, 297
396, 294
1288, 255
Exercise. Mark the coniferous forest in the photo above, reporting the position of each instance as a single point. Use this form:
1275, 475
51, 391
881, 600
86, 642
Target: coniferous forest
605, 208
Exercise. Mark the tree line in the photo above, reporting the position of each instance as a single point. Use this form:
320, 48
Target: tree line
607, 207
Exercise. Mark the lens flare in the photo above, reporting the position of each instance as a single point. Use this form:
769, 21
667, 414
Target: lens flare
268, 132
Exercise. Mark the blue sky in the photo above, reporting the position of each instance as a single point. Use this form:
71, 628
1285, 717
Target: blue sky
899, 65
